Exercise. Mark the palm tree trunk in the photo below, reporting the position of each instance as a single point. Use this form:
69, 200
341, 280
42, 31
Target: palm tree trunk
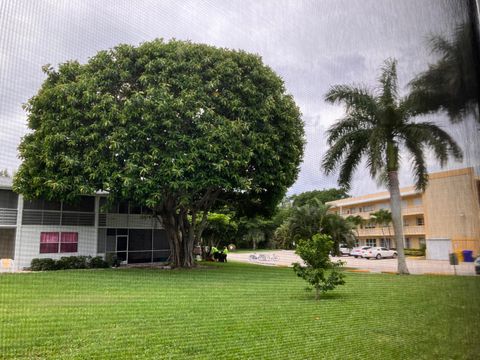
396, 207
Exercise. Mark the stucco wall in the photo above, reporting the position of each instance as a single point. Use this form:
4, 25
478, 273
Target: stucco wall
452, 208
29, 247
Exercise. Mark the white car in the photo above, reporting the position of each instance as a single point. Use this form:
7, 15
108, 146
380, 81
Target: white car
344, 249
357, 251
379, 253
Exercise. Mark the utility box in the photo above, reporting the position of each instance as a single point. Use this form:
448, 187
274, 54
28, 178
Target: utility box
438, 249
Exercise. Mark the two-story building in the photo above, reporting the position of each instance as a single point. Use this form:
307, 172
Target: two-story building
52, 229
444, 218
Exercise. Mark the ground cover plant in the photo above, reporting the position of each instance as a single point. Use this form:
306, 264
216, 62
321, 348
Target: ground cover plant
235, 311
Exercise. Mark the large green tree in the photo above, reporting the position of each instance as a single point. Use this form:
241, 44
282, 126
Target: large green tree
174, 126
377, 125
324, 196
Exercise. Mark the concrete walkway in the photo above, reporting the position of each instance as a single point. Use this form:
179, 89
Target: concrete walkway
415, 265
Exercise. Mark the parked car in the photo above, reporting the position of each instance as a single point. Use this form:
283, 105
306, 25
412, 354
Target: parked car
378, 253
477, 266
357, 251
344, 249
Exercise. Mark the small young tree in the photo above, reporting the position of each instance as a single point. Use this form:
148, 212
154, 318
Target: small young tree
319, 271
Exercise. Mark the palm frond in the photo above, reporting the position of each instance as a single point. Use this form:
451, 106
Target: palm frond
340, 148
434, 137
348, 124
418, 163
351, 161
388, 81
357, 99
376, 161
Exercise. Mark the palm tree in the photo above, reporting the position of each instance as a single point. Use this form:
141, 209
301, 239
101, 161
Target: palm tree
314, 218
383, 218
450, 84
377, 125
356, 222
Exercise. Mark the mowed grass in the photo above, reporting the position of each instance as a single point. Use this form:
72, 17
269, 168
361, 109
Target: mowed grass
235, 311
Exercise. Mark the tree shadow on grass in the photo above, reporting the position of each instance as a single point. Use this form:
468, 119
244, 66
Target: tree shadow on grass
329, 296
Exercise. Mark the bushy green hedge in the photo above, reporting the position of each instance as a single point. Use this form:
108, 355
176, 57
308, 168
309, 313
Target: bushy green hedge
415, 252
69, 262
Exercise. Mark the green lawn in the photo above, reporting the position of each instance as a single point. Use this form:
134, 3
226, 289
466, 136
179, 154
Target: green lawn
235, 311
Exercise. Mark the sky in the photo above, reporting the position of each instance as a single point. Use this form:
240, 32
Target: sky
311, 44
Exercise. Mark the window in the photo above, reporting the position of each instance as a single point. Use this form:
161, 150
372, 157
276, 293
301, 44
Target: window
370, 225
371, 242
417, 201
421, 242
385, 243
407, 243
367, 208
420, 221
8, 199
69, 242
49, 242
54, 242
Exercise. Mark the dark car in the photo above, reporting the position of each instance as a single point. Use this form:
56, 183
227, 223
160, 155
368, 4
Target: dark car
477, 266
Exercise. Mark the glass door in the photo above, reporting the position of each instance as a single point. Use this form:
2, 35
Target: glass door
122, 245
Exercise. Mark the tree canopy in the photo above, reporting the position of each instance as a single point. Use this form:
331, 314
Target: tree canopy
324, 196
174, 126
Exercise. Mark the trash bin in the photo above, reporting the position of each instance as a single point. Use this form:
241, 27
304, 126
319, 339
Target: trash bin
468, 255
452, 257
459, 255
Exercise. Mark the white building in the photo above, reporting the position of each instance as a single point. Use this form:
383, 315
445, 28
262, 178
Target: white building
50, 229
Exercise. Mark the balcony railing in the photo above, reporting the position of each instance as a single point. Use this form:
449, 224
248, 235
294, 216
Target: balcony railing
388, 231
412, 210
8, 216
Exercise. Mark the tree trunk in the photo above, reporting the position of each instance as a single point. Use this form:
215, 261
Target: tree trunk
396, 207
181, 238
317, 293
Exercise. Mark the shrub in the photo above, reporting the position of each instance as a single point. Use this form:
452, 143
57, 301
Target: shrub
72, 262
43, 264
319, 271
97, 262
414, 252
112, 260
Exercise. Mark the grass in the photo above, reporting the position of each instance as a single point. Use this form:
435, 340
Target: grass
235, 311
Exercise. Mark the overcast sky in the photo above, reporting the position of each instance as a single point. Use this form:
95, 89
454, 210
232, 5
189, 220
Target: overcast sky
310, 44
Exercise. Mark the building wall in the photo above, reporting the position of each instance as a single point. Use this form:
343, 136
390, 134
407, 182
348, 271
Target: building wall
452, 209
29, 246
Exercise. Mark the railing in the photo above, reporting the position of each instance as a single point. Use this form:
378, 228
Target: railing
388, 231
8, 216
55, 217
412, 210
414, 230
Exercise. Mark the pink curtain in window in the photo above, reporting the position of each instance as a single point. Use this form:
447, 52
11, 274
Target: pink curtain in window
48, 242
69, 242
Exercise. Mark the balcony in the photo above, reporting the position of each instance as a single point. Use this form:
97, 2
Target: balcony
412, 210
388, 231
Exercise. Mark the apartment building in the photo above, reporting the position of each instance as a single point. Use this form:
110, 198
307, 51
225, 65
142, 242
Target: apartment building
444, 218
52, 229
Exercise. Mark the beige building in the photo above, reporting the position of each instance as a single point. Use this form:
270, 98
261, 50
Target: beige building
445, 218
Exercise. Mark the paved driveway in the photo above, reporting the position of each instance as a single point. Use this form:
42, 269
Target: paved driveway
415, 265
